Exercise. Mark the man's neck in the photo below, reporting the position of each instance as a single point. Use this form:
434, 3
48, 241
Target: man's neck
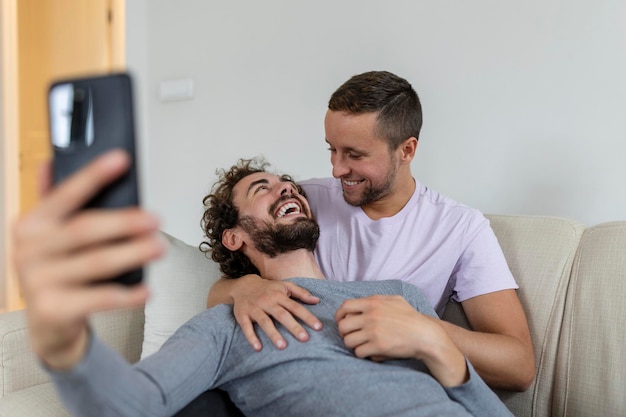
298, 263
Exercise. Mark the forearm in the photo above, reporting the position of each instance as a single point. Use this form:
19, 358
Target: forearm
221, 292
104, 384
503, 361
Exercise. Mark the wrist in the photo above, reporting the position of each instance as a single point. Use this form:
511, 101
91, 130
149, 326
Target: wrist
65, 356
448, 365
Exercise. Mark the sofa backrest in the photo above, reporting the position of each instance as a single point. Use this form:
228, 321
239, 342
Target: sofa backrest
591, 366
540, 252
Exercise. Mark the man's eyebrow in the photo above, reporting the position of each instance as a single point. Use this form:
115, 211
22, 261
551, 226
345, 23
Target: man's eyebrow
255, 183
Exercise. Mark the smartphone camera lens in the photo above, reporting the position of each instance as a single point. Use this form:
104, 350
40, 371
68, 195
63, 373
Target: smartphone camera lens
71, 116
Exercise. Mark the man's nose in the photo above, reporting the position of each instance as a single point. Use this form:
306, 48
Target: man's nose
286, 188
340, 168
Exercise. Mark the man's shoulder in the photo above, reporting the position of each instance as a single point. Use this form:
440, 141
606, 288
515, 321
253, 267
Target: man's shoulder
358, 289
220, 315
444, 210
429, 196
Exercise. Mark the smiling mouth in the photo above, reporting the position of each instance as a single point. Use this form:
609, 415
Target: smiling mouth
349, 183
288, 209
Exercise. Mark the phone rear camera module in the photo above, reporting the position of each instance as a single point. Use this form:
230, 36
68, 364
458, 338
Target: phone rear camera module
71, 116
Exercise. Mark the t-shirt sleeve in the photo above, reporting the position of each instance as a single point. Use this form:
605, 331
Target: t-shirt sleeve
482, 267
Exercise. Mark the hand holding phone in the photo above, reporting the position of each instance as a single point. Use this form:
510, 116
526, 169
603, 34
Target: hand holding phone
88, 117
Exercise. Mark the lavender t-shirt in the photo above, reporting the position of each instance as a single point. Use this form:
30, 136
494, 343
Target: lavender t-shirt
446, 249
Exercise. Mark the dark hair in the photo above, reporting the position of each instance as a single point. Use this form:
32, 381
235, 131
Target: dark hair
220, 214
398, 106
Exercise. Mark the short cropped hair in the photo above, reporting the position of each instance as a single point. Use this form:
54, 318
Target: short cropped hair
393, 98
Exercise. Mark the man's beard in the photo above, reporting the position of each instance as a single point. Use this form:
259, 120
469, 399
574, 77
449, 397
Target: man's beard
374, 193
275, 239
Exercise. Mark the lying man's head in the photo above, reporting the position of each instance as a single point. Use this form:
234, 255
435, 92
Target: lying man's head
252, 212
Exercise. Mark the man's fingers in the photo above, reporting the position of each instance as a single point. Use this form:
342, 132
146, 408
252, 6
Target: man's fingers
96, 226
113, 260
77, 190
291, 310
267, 325
351, 322
71, 304
285, 316
348, 307
301, 294
259, 305
94, 264
248, 331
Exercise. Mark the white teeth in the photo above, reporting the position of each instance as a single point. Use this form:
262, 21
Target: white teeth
350, 183
293, 208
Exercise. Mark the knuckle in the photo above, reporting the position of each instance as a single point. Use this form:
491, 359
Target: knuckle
282, 316
264, 321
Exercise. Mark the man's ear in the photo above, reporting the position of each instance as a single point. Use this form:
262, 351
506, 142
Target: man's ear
407, 149
232, 240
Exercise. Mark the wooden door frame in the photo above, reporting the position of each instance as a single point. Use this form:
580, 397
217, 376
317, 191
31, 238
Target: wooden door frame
9, 135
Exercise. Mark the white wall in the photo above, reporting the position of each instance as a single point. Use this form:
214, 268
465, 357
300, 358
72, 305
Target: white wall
523, 102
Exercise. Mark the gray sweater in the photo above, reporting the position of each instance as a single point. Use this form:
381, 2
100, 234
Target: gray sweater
320, 377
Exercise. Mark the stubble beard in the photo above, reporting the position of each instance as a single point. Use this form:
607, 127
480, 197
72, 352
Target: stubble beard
372, 193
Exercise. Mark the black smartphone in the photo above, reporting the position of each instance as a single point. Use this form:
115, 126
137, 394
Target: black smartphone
89, 116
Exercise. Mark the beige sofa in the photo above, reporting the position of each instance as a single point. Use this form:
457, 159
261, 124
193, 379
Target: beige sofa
572, 284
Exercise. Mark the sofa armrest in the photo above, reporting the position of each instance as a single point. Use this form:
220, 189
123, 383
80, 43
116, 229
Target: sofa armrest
20, 369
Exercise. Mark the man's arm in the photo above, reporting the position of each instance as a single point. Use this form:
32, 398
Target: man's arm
382, 327
499, 346
256, 300
60, 251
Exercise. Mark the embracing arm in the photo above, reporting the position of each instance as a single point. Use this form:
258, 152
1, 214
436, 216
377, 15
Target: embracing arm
256, 300
500, 349
499, 346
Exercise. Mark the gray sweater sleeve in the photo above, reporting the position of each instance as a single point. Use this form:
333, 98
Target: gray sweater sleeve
160, 385
114, 392
477, 398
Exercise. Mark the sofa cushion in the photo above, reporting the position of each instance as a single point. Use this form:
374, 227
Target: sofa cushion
39, 400
19, 368
179, 284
